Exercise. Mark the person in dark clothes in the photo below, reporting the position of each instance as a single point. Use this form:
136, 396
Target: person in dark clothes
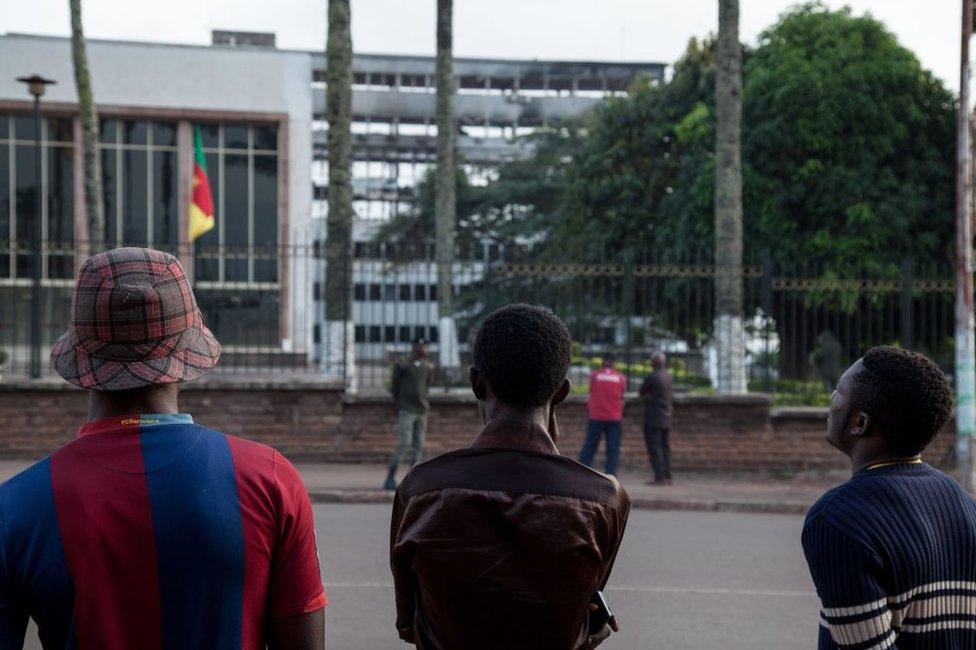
827, 358
410, 385
658, 394
892, 551
503, 544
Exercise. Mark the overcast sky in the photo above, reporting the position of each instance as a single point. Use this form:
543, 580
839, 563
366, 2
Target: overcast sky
630, 30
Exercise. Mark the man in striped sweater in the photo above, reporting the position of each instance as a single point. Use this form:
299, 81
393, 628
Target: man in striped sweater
893, 550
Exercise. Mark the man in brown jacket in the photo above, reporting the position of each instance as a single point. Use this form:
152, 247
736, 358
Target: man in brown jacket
505, 543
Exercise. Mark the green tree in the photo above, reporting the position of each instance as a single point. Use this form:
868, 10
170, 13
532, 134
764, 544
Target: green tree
91, 160
643, 177
520, 206
849, 143
847, 153
339, 341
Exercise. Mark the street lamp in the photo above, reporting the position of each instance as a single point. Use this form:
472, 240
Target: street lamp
36, 85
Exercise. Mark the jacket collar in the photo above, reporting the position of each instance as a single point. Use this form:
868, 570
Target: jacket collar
515, 435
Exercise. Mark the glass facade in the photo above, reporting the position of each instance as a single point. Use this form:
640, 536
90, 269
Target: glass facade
20, 189
237, 262
140, 183
242, 164
236, 270
20, 192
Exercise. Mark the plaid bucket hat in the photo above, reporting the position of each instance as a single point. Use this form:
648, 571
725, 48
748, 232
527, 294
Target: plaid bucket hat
134, 323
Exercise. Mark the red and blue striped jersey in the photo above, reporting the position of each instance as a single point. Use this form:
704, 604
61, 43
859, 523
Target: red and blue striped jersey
152, 532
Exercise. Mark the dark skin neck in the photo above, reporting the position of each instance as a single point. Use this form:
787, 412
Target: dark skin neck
153, 399
865, 458
496, 410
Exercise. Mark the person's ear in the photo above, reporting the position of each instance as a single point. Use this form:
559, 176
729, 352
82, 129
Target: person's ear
862, 422
477, 381
564, 390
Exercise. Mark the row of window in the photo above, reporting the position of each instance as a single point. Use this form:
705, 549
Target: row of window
141, 192
374, 292
394, 334
21, 190
392, 292
548, 84
385, 333
215, 136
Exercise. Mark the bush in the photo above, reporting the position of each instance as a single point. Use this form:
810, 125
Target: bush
794, 392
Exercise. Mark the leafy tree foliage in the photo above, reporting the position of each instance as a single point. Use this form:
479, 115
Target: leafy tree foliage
847, 147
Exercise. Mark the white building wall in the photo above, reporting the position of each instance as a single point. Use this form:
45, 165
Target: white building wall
149, 76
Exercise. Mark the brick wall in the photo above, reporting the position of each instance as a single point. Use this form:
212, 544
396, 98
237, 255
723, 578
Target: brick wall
316, 422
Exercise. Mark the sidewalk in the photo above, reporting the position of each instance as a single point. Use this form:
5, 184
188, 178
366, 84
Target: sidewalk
348, 483
333, 483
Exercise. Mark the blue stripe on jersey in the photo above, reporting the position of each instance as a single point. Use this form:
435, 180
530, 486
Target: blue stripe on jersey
33, 558
199, 536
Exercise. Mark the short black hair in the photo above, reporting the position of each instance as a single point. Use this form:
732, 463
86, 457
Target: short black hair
523, 352
907, 395
609, 358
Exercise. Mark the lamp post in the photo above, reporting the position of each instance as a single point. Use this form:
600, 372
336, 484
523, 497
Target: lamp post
36, 85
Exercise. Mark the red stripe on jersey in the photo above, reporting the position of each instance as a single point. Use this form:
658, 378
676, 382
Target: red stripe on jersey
253, 466
107, 534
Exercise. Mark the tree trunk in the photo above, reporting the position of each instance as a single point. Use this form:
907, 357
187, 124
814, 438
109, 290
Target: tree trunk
339, 357
94, 205
444, 188
729, 334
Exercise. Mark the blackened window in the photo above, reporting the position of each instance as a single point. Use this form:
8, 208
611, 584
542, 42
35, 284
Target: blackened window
242, 165
20, 196
140, 183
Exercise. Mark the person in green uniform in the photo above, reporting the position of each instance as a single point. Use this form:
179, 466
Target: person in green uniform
411, 382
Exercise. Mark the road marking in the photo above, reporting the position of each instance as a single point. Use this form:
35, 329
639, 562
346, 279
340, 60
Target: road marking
703, 591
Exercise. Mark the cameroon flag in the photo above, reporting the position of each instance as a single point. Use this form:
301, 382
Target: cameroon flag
201, 200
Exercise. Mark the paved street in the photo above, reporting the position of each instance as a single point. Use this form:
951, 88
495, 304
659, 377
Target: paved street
683, 581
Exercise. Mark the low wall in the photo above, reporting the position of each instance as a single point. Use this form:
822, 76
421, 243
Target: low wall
315, 421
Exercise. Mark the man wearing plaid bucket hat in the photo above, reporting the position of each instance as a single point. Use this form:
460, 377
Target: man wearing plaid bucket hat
149, 530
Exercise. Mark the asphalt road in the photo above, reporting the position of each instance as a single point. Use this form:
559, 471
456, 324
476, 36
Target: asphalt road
683, 581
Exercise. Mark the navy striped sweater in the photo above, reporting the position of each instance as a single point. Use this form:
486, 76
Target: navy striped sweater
893, 555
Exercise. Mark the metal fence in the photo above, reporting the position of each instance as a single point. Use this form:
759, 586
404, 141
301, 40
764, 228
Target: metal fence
264, 304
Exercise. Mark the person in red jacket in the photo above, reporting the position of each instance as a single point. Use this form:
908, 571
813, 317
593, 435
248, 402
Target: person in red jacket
605, 409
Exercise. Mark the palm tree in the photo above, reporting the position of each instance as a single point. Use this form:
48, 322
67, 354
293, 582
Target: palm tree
729, 334
339, 358
89, 126
444, 189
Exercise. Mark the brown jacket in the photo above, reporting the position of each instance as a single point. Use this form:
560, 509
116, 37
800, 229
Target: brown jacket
503, 544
